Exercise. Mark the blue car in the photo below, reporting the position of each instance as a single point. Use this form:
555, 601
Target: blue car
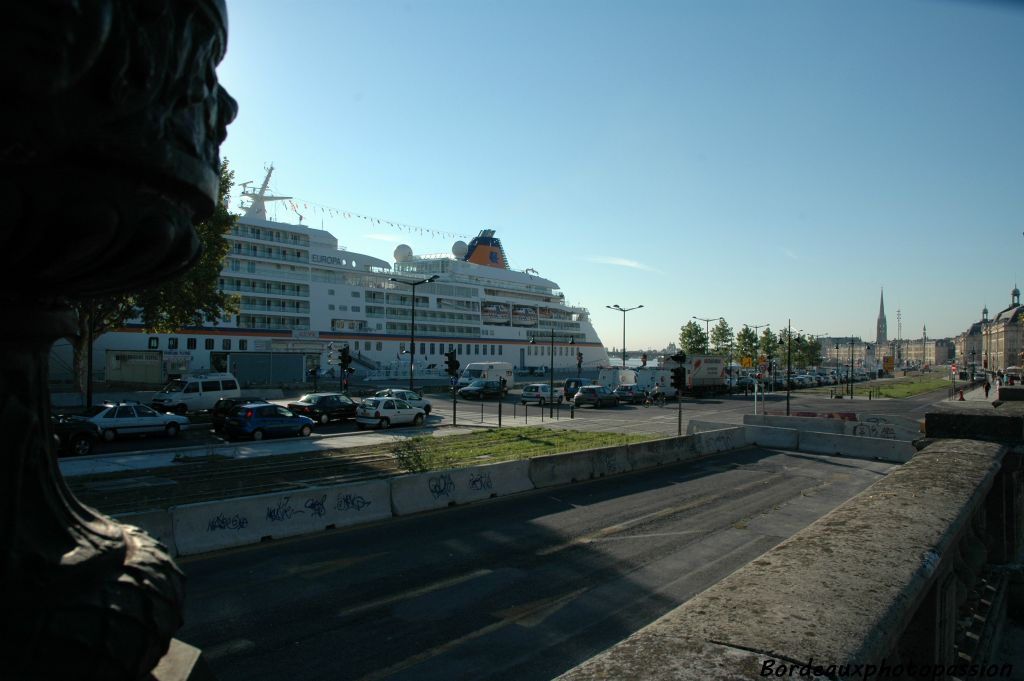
265, 420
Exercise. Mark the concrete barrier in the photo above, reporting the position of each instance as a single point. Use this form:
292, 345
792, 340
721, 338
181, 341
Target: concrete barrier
215, 525
714, 441
773, 438
661, 452
157, 524
801, 423
698, 426
561, 469
856, 447
437, 489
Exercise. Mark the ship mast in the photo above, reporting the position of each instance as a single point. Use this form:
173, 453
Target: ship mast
257, 207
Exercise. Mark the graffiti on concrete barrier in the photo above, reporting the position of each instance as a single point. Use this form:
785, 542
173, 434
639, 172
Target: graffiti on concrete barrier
283, 510
223, 522
441, 486
881, 430
480, 481
316, 506
351, 502
610, 463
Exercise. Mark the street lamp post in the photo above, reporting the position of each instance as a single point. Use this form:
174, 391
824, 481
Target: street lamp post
707, 331
851, 368
551, 374
412, 325
623, 310
789, 358
839, 376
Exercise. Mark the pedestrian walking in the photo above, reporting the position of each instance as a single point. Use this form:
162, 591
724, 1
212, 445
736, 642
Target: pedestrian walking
988, 386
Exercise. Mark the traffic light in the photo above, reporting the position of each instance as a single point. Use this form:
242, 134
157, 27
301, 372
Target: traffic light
332, 355
451, 363
679, 378
346, 359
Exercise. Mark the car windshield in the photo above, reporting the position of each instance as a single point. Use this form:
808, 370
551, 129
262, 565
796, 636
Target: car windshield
175, 386
308, 399
478, 384
95, 410
371, 402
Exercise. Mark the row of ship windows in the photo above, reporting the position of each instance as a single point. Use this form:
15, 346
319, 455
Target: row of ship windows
434, 348
191, 343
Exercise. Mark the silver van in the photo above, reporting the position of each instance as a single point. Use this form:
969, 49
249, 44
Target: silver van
195, 392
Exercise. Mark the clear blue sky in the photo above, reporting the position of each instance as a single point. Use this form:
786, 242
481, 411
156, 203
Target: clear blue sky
752, 160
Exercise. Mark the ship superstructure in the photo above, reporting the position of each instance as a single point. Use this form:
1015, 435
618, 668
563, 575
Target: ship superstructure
299, 291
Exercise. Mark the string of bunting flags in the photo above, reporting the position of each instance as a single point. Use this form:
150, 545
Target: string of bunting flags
327, 211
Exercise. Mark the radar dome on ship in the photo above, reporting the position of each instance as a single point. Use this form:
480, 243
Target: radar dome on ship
403, 253
459, 249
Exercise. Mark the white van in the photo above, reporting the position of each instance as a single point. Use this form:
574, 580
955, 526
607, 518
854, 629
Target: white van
490, 371
195, 392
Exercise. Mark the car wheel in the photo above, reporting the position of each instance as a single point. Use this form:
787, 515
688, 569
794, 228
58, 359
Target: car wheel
324, 419
418, 421
81, 445
426, 410
384, 423
360, 426
523, 402
559, 401
257, 434
181, 409
541, 402
171, 429
109, 434
305, 430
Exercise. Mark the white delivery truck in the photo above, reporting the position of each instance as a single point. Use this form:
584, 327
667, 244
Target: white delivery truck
705, 374
648, 377
491, 371
612, 378
195, 392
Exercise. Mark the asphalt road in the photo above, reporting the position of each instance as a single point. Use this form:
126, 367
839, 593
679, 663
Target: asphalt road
524, 587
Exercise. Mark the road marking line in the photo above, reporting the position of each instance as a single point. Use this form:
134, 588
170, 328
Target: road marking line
528, 615
671, 510
443, 584
233, 647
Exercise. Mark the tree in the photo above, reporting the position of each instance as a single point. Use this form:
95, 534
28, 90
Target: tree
692, 339
746, 343
190, 298
769, 344
721, 338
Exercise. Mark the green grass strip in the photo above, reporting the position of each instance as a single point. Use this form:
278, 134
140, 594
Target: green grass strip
426, 453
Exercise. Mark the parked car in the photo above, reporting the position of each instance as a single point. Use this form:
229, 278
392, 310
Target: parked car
413, 398
384, 412
539, 393
596, 396
260, 420
570, 386
75, 435
480, 388
325, 407
744, 383
631, 394
117, 419
225, 405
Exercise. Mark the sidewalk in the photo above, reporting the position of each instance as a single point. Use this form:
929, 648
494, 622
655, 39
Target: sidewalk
145, 460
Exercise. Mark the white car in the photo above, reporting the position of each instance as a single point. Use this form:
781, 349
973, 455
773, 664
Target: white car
384, 412
539, 393
415, 399
125, 418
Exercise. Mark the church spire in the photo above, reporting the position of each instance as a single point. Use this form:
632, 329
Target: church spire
881, 332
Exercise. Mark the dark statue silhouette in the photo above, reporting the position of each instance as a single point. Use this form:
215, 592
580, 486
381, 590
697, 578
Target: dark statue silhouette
109, 151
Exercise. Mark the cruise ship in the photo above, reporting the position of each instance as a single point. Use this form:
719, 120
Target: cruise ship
300, 296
